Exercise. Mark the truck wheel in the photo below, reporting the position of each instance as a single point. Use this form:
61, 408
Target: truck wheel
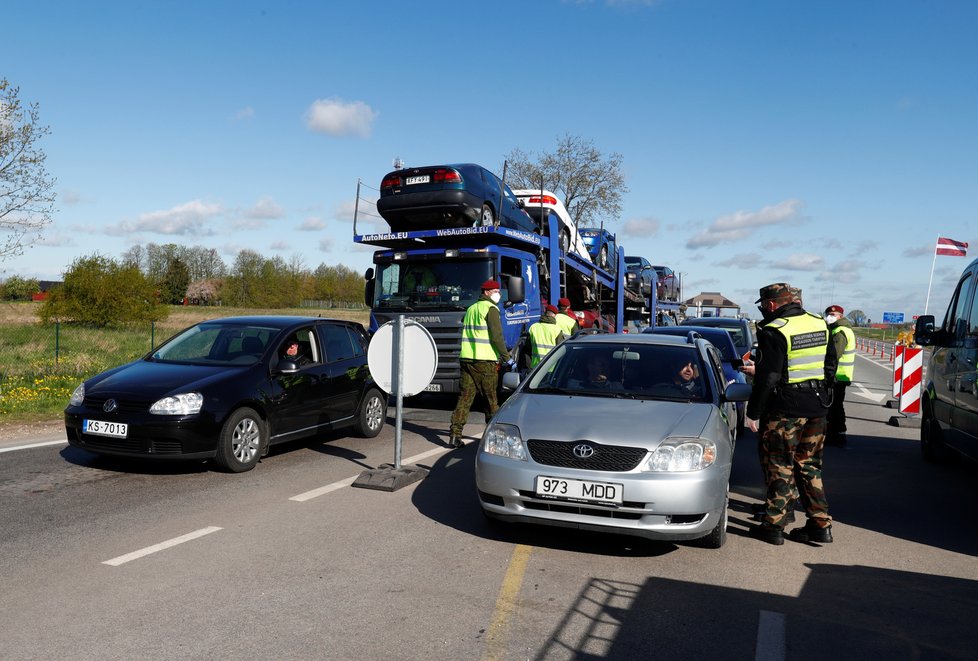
372, 414
488, 218
241, 441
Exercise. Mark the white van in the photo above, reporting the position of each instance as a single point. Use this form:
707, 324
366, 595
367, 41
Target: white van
949, 403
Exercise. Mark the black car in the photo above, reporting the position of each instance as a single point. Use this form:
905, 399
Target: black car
228, 389
446, 196
740, 329
640, 275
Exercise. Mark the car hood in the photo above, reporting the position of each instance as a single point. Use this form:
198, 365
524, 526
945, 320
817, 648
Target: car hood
146, 379
632, 422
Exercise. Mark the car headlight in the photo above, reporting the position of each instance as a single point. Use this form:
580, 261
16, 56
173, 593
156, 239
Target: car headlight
676, 455
186, 403
504, 441
78, 396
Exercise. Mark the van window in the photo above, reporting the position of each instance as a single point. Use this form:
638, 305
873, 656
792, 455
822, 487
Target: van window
973, 317
956, 323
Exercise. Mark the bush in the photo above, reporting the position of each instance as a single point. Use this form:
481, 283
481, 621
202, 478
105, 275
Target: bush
100, 292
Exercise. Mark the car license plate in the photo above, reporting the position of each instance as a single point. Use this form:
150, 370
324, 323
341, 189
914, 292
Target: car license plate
433, 387
581, 490
100, 428
423, 179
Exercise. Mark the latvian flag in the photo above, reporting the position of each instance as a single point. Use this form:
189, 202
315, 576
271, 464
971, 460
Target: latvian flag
951, 247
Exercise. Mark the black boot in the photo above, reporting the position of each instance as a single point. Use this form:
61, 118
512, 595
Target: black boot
836, 440
768, 533
812, 532
455, 442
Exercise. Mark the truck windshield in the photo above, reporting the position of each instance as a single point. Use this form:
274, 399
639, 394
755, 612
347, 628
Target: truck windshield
430, 285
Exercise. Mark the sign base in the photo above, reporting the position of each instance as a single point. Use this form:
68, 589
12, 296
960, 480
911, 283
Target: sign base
387, 478
898, 421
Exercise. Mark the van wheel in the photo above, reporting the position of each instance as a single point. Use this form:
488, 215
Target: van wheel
488, 218
241, 441
931, 439
372, 414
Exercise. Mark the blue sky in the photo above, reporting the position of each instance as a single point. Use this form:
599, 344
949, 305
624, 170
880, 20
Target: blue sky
826, 143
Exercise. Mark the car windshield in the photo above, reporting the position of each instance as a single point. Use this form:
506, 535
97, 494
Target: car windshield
216, 343
639, 371
430, 285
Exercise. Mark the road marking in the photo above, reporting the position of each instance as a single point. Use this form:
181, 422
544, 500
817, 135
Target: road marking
135, 555
314, 493
864, 392
770, 637
33, 445
506, 603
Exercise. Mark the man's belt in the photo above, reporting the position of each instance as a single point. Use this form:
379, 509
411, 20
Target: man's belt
811, 384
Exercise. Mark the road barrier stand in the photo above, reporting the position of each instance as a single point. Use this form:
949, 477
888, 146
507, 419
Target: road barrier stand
913, 366
897, 369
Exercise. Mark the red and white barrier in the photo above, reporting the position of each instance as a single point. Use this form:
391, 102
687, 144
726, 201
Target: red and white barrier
913, 365
897, 369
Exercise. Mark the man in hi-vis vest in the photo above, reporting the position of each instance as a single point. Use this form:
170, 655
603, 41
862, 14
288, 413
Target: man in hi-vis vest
544, 335
483, 348
845, 348
796, 362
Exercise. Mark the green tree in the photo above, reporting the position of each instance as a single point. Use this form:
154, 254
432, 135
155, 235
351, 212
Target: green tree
173, 287
17, 288
26, 197
101, 292
590, 185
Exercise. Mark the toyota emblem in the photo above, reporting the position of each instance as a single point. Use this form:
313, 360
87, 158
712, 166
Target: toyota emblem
583, 451
110, 405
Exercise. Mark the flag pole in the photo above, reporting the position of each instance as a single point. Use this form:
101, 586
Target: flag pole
931, 281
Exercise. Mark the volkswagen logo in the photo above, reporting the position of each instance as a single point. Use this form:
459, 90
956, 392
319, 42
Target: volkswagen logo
110, 405
583, 451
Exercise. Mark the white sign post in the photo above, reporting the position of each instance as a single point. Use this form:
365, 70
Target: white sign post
403, 358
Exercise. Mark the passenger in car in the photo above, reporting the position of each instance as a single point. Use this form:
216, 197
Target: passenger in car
596, 374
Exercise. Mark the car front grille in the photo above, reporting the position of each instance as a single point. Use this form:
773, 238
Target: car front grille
124, 405
612, 458
132, 445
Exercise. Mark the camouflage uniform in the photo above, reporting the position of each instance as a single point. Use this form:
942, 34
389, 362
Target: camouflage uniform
480, 377
792, 415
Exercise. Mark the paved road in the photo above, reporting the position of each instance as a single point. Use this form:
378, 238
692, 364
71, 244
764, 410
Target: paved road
107, 559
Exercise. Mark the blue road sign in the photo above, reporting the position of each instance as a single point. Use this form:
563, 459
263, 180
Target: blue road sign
892, 317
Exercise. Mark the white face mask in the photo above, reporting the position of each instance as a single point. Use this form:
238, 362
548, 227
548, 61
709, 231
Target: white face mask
831, 319
494, 297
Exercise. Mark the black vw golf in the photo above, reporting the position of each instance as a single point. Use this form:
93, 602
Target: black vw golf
229, 388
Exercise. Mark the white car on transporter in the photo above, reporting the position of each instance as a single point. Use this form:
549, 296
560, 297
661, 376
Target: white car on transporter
538, 201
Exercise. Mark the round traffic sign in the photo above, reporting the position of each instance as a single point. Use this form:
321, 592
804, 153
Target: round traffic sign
420, 357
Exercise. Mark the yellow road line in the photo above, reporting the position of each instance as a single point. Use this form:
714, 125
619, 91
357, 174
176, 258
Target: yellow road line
506, 603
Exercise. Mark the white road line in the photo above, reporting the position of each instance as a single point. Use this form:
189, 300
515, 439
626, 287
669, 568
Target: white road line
314, 493
135, 555
33, 445
864, 392
770, 637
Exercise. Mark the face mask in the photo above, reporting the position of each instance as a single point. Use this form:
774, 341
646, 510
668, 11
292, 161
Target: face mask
831, 319
494, 297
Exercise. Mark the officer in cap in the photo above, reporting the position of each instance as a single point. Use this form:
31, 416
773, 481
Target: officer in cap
483, 347
544, 335
796, 362
844, 340
566, 318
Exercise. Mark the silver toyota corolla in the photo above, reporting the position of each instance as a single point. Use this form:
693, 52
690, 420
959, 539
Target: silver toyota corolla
623, 433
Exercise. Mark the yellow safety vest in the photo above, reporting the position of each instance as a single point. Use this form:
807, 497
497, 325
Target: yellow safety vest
565, 323
543, 338
475, 333
808, 338
847, 361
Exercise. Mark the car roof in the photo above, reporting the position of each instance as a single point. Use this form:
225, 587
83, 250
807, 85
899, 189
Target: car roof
714, 321
718, 336
631, 338
276, 321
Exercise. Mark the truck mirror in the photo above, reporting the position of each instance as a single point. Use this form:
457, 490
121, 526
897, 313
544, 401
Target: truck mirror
923, 330
516, 293
369, 275
368, 291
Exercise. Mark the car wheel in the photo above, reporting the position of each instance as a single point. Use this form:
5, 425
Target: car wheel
931, 438
603, 257
718, 536
488, 218
241, 442
564, 242
372, 414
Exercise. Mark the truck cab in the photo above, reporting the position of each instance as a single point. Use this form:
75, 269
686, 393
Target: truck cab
949, 402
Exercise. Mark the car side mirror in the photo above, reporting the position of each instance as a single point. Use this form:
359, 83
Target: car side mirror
511, 380
923, 330
286, 366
